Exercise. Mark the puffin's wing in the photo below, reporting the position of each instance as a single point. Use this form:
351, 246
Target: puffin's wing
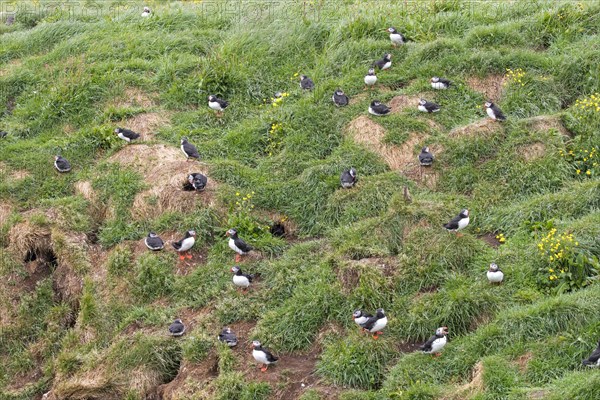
249, 277
428, 344
370, 323
177, 245
498, 112
453, 224
191, 150
379, 63
368, 316
63, 164
222, 103
243, 246
431, 106
270, 357
595, 356
445, 81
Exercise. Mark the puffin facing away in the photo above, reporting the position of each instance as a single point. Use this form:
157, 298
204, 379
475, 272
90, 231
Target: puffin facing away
189, 149
61, 164
198, 181
306, 83
459, 222
277, 229
378, 108
370, 78
396, 37
154, 242
339, 98
376, 324
494, 112
425, 157
436, 343
185, 244
263, 356
177, 328
428, 106
127, 134
440, 83
146, 12
494, 274
217, 104
228, 337
236, 244
3, 134
384, 63
241, 279
594, 359
360, 317
348, 178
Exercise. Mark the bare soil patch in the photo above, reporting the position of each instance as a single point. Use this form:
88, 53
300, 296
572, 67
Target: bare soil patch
146, 124
468, 390
490, 86
403, 102
532, 151
547, 122
485, 127
490, 239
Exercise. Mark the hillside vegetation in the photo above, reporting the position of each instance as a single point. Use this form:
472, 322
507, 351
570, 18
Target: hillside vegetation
84, 306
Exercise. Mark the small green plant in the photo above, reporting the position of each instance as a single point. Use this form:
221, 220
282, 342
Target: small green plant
196, 348
274, 138
154, 276
584, 161
241, 218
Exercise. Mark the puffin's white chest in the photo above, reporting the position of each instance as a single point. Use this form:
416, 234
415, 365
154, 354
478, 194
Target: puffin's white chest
490, 113
370, 80
438, 344
215, 105
379, 325
260, 356
495, 277
463, 223
360, 320
396, 38
241, 281
145, 14
233, 247
422, 108
438, 85
371, 111
124, 137
387, 65
187, 244
183, 151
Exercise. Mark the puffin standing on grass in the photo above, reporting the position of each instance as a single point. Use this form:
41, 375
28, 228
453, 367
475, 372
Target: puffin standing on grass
378, 108
263, 356
384, 63
440, 83
360, 317
339, 98
228, 337
146, 12
428, 106
185, 244
425, 157
154, 242
594, 359
3, 134
217, 104
306, 83
459, 222
241, 279
494, 112
396, 37
189, 149
436, 343
376, 324
127, 134
494, 274
348, 178
370, 78
177, 328
236, 244
61, 164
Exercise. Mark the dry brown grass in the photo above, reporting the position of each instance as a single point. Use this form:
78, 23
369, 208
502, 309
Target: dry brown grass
403, 102
11, 66
491, 86
84, 188
25, 238
135, 97
165, 170
484, 127
20, 174
532, 151
523, 361
71, 251
471, 389
544, 123
5, 211
145, 124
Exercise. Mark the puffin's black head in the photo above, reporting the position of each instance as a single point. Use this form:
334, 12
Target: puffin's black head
118, 130
184, 140
422, 102
425, 149
278, 95
235, 269
489, 104
464, 213
375, 103
211, 98
443, 331
387, 57
357, 314
392, 30
191, 233
435, 79
339, 92
371, 71
152, 235
256, 344
493, 267
178, 321
232, 232
56, 157
380, 313
303, 77
226, 330
352, 172
146, 9
191, 178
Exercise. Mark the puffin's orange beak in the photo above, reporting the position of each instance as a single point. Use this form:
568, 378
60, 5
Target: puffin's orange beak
227, 234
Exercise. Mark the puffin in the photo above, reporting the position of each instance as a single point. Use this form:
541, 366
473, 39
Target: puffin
427, 106
360, 317
241, 279
378, 108
396, 37
146, 12
189, 149
228, 337
494, 112
594, 359
440, 83
348, 178
436, 343
183, 245
277, 229
425, 157
154, 242
494, 274
3, 134
197, 181
306, 83
459, 222
376, 324
217, 104
262, 355
339, 98
177, 328
236, 244
127, 134
370, 78
61, 164
384, 63
10, 20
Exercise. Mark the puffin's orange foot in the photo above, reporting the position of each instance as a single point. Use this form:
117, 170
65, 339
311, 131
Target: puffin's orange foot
264, 369
380, 333
188, 256
437, 354
375, 337
238, 258
182, 257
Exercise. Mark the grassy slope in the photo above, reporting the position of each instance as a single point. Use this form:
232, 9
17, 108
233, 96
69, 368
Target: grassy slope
63, 87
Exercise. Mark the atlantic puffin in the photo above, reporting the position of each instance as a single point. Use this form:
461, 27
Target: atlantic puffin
370, 78
494, 112
277, 229
146, 12
339, 98
494, 274
263, 356
197, 181
459, 222
236, 244
378, 108
182, 246
396, 37
3, 134
348, 178
241, 279
384, 63
360, 317
376, 324
228, 337
61, 164
306, 83
177, 328
428, 106
436, 343
594, 359
154, 242
440, 83
189, 149
425, 157
217, 104
127, 134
